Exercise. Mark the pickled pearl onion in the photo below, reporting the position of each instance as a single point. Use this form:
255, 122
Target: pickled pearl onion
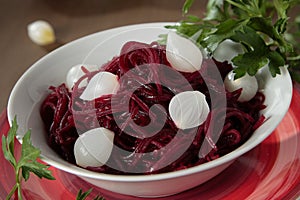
183, 54
41, 32
227, 50
93, 148
101, 84
188, 109
248, 84
75, 73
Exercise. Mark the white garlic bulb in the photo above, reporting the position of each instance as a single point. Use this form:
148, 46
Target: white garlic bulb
101, 84
93, 148
75, 73
188, 109
41, 32
183, 54
248, 84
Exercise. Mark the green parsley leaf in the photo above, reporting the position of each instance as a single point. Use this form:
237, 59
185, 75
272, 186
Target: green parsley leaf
214, 10
8, 144
38, 169
29, 152
282, 7
7, 154
27, 162
223, 31
275, 62
187, 5
248, 63
83, 195
248, 37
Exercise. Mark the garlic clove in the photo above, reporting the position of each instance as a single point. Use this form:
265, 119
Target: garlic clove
227, 50
248, 84
41, 32
188, 109
183, 54
75, 73
93, 148
101, 84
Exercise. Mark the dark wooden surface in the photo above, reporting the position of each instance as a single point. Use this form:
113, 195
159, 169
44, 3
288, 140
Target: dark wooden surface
71, 19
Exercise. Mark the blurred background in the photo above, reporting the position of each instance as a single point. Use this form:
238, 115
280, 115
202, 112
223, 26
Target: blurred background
71, 19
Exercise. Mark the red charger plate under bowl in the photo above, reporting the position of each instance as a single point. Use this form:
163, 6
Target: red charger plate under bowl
269, 171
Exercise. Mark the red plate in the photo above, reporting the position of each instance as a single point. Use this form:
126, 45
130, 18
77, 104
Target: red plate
270, 171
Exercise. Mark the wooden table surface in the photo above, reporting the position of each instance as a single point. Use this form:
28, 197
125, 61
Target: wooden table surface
71, 19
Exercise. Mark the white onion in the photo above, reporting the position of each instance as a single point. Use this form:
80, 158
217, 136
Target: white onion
93, 148
41, 32
227, 50
75, 73
183, 54
101, 84
248, 84
188, 109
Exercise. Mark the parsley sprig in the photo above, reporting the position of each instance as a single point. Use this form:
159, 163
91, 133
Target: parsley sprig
83, 195
27, 162
261, 26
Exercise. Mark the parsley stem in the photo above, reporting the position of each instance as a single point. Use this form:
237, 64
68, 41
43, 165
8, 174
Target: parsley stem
11, 193
238, 5
293, 58
17, 190
254, 11
18, 182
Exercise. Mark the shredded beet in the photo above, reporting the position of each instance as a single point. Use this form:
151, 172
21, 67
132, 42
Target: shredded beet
65, 115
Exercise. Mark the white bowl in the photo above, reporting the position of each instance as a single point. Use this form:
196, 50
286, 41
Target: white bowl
28, 92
